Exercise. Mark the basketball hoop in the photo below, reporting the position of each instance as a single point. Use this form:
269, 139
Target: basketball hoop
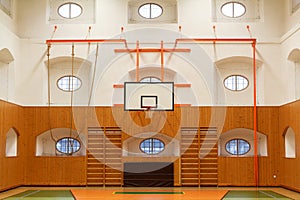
149, 112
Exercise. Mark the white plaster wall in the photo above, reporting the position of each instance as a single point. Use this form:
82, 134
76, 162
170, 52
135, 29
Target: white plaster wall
29, 74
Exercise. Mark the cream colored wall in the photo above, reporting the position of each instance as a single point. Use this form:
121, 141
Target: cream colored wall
30, 87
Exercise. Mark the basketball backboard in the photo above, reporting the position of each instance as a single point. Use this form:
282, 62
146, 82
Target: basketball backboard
144, 96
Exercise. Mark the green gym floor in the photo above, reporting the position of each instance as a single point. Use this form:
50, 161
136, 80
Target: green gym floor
100, 193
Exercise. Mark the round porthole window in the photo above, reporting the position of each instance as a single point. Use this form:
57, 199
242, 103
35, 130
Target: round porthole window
152, 146
233, 9
150, 10
68, 145
69, 83
237, 147
70, 10
236, 82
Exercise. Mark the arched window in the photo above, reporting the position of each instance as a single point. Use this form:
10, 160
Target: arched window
70, 10
69, 83
290, 143
11, 143
236, 82
152, 146
237, 147
233, 9
150, 10
68, 145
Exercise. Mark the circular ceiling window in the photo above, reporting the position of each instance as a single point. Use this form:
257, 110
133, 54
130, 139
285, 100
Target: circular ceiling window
233, 9
150, 10
70, 10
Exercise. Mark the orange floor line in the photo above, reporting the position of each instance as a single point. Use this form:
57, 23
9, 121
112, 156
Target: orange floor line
93, 194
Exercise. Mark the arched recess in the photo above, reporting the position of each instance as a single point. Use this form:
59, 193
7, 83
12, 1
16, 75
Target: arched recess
46, 142
6, 58
131, 146
247, 135
67, 66
289, 143
240, 65
11, 148
294, 56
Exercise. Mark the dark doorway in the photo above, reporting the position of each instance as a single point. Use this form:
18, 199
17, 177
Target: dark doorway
148, 174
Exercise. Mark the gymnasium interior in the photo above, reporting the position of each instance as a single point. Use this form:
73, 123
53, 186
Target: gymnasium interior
139, 99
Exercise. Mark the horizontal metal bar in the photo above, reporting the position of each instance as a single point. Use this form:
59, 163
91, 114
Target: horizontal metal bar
151, 50
59, 41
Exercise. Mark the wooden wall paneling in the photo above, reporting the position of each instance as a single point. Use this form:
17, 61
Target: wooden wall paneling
12, 168
268, 124
289, 115
236, 171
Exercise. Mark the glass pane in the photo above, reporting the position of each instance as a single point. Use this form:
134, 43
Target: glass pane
150, 79
241, 83
76, 10
236, 82
64, 11
150, 10
68, 145
233, 9
231, 147
69, 83
239, 9
144, 11
152, 146
227, 10
156, 11
230, 82
243, 147
69, 10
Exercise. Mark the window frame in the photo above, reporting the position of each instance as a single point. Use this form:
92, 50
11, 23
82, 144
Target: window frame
69, 90
152, 152
70, 13
150, 3
150, 79
233, 16
238, 139
74, 139
236, 88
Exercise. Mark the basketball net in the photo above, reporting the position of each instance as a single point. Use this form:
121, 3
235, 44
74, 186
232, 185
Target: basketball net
149, 112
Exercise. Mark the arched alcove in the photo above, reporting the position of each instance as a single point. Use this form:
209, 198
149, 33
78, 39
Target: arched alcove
46, 143
6, 56
289, 143
294, 55
6, 77
131, 146
11, 148
246, 135
66, 66
239, 66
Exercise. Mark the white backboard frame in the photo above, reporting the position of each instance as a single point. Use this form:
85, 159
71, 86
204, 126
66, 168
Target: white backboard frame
140, 96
